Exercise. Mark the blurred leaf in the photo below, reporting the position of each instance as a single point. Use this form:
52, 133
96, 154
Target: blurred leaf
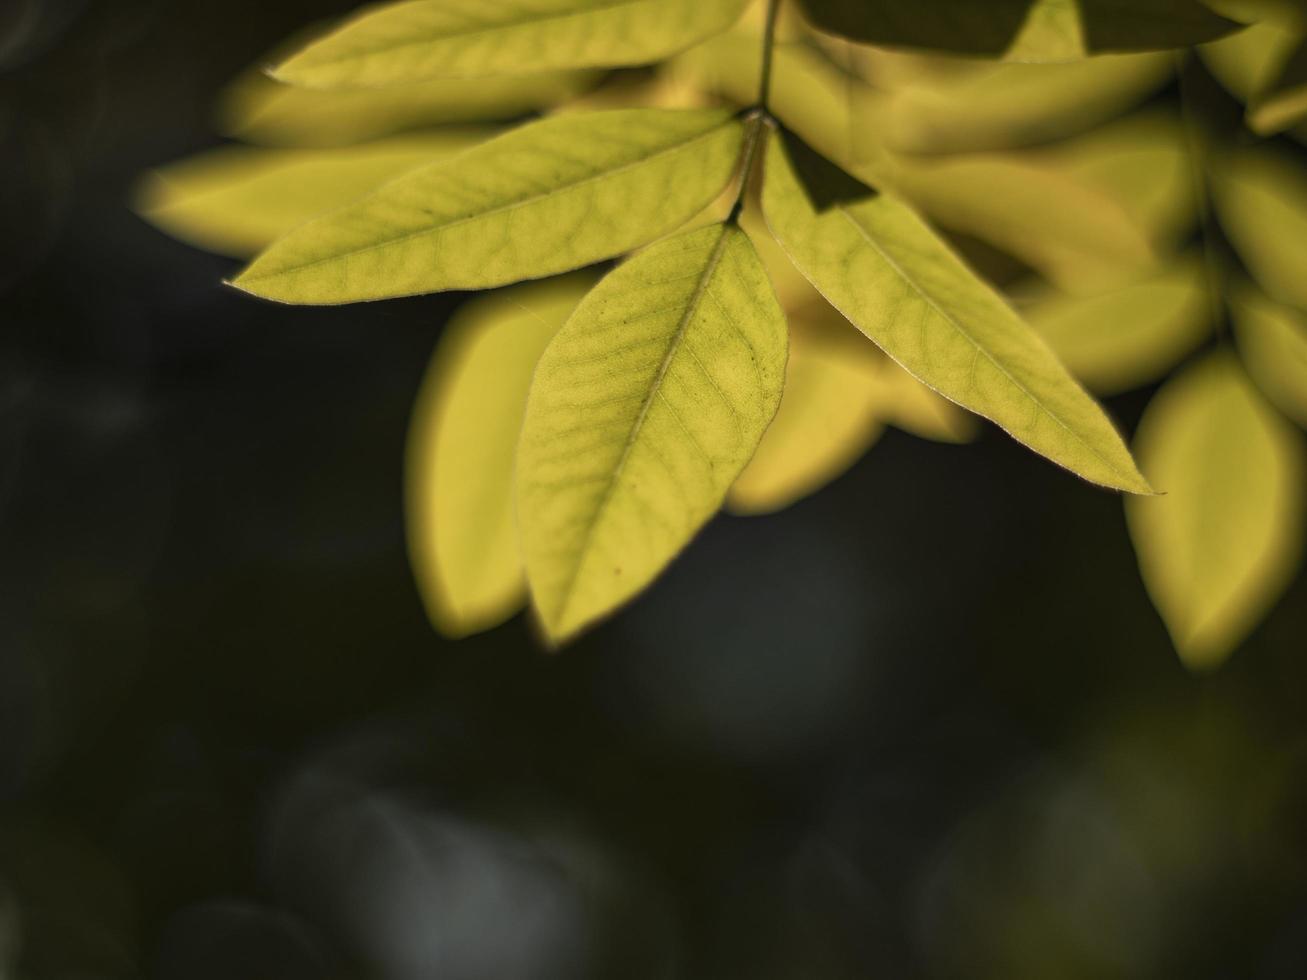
1220, 546
1261, 198
237, 200
259, 110
1130, 336
462, 447
1016, 105
1246, 62
551, 196
1273, 342
1284, 102
1022, 30
416, 40
880, 265
828, 419
644, 410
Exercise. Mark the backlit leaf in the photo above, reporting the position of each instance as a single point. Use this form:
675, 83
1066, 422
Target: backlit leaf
1273, 342
462, 447
1130, 336
237, 200
644, 410
909, 405
551, 196
1220, 546
1261, 198
415, 40
885, 270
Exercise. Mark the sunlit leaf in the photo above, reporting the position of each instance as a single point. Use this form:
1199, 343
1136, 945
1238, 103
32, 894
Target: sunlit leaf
1273, 342
829, 417
885, 270
1261, 198
1220, 546
237, 200
551, 196
260, 110
462, 447
415, 40
644, 410
1128, 337
1022, 30
909, 405
1016, 105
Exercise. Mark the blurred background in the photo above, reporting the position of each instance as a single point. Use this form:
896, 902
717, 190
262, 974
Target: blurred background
923, 724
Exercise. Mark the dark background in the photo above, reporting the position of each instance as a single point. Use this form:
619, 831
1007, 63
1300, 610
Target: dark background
923, 724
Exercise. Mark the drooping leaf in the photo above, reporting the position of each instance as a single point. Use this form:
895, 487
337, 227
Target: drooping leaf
828, 419
884, 269
644, 410
462, 447
414, 40
1219, 547
1131, 336
237, 200
1261, 198
1273, 342
549, 197
1022, 30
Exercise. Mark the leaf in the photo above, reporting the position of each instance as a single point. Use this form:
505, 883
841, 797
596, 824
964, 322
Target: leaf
1022, 30
883, 268
909, 405
1261, 198
1284, 102
236, 200
1273, 342
644, 410
551, 196
1218, 549
828, 419
462, 447
1247, 62
423, 39
259, 110
1128, 337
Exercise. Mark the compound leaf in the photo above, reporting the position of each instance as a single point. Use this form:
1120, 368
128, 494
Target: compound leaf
462, 447
549, 197
423, 39
644, 410
1220, 546
1273, 342
889, 274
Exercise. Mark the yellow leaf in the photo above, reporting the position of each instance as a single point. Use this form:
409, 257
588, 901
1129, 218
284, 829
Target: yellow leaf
236, 200
1246, 63
1273, 342
549, 197
644, 410
909, 405
462, 445
422, 39
1261, 198
1283, 103
1221, 545
883, 268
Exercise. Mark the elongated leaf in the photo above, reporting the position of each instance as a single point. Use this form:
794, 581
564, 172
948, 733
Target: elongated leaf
552, 196
462, 447
1219, 547
1261, 198
883, 268
237, 200
1284, 102
1247, 62
909, 405
1273, 342
1131, 336
828, 419
644, 410
1023, 30
422, 39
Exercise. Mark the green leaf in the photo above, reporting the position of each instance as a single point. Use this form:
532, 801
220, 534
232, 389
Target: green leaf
1131, 336
1261, 198
884, 269
423, 39
549, 197
462, 447
909, 405
1221, 545
1247, 62
1022, 30
1273, 342
236, 200
644, 410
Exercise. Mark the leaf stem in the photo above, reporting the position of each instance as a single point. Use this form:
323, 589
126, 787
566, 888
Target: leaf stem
768, 49
756, 118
